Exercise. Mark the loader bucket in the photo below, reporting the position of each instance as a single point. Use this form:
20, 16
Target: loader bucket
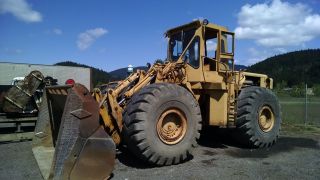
69, 142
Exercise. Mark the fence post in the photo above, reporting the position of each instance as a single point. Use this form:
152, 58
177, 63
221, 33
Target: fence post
306, 105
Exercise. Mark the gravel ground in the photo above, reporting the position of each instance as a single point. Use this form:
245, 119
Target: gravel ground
293, 157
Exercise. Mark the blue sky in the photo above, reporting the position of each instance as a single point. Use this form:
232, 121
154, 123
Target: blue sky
113, 34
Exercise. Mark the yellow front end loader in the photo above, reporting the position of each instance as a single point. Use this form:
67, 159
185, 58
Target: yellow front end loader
157, 114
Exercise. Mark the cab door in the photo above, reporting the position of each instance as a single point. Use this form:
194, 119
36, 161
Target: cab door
192, 57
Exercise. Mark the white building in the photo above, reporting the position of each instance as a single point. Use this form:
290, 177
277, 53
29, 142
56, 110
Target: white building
9, 71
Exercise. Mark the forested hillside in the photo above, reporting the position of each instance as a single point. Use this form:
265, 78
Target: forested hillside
122, 72
291, 69
287, 70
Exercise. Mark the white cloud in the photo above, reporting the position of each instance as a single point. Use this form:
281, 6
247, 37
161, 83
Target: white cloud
86, 39
259, 54
278, 24
12, 51
211, 45
198, 18
57, 31
20, 9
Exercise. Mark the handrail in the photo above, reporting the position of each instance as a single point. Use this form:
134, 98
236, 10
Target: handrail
217, 61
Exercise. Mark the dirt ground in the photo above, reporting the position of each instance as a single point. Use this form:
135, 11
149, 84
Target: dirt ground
295, 156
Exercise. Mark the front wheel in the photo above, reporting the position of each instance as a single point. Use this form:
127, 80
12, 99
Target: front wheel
162, 123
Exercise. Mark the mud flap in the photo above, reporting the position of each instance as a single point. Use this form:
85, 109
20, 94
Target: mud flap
69, 141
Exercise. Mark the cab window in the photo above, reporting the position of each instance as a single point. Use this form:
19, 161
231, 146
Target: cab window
192, 54
211, 43
178, 42
211, 38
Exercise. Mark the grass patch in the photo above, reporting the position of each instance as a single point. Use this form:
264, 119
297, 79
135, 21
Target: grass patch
295, 113
293, 110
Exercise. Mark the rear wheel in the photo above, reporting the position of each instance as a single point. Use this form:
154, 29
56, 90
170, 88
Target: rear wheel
162, 123
258, 117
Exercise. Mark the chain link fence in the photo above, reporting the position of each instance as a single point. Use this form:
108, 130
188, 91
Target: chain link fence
300, 110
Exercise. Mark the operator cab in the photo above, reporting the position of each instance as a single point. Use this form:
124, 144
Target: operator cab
200, 43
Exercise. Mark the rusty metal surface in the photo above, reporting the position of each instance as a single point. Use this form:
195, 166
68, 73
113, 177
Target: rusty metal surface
3, 91
18, 97
172, 126
97, 158
42, 143
69, 132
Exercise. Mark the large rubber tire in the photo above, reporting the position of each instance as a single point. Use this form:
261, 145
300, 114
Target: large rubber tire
140, 123
251, 102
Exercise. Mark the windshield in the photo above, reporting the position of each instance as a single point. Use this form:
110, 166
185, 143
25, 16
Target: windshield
178, 42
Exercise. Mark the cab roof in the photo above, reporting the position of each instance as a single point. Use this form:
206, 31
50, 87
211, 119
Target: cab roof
195, 24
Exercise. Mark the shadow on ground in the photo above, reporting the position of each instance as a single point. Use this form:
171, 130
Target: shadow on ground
125, 156
222, 139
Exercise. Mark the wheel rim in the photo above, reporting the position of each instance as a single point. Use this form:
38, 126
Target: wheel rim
266, 119
172, 126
